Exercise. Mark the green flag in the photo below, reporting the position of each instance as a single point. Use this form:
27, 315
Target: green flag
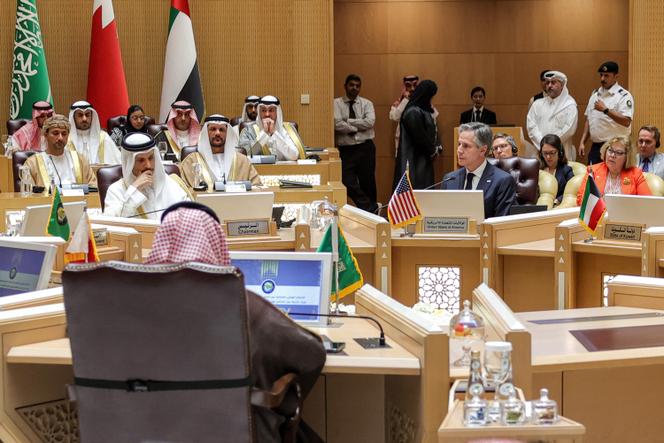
58, 225
29, 72
350, 277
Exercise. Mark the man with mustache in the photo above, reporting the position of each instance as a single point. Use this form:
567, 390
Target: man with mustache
88, 138
56, 164
29, 137
609, 112
144, 190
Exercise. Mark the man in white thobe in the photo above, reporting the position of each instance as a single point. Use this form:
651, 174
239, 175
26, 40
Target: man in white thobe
88, 138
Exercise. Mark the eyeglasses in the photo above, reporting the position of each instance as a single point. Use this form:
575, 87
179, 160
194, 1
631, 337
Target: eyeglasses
549, 153
616, 153
502, 146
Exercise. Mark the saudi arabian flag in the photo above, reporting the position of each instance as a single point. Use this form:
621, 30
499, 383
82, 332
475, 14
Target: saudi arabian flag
350, 277
29, 73
182, 80
58, 225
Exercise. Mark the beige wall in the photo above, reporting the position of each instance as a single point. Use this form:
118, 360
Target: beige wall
289, 54
501, 45
646, 40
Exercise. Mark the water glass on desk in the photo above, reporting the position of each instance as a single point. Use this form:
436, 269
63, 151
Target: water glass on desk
26, 180
163, 148
13, 221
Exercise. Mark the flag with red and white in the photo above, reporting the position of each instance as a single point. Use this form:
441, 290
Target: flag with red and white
182, 80
403, 208
82, 247
107, 87
592, 206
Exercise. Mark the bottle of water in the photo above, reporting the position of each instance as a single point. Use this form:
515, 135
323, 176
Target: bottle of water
26, 180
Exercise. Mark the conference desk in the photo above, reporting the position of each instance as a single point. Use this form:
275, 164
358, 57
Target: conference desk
441, 269
318, 173
616, 394
367, 395
335, 192
519, 255
6, 175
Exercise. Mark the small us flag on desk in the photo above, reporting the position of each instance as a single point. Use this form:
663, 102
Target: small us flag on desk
402, 208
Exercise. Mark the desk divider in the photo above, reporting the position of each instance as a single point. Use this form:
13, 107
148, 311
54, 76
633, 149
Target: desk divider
501, 324
426, 404
653, 252
636, 292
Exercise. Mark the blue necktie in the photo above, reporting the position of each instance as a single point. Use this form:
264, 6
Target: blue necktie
646, 165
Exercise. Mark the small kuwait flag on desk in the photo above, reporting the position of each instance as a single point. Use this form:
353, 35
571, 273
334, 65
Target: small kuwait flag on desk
592, 206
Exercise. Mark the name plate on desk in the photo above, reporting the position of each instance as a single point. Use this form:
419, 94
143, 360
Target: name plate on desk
306, 161
240, 228
236, 187
440, 225
622, 231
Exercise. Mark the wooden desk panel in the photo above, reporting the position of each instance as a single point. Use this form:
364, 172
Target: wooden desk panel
6, 175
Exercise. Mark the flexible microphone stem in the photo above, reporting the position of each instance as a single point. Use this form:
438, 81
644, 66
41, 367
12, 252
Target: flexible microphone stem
381, 339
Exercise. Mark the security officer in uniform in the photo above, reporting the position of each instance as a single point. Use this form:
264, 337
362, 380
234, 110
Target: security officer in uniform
609, 112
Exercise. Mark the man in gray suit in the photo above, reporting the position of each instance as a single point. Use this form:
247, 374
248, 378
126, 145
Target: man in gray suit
648, 159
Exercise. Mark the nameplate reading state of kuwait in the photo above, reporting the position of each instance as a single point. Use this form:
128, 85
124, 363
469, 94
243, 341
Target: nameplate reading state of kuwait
247, 227
622, 232
445, 224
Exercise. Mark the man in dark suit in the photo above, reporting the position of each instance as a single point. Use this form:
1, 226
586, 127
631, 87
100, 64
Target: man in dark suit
478, 113
477, 174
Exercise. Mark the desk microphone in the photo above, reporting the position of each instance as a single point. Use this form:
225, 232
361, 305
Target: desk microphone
381, 338
438, 184
140, 214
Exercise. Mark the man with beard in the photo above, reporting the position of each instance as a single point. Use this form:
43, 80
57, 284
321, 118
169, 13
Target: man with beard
183, 127
144, 189
56, 164
216, 158
554, 114
29, 137
608, 114
354, 120
270, 135
249, 111
88, 138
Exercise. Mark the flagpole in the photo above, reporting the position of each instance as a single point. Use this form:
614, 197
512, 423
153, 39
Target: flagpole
335, 262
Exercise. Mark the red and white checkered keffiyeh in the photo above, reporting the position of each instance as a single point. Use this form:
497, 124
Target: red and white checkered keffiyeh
187, 235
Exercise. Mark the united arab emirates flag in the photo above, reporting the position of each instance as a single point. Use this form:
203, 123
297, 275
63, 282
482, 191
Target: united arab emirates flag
29, 72
182, 80
592, 206
349, 274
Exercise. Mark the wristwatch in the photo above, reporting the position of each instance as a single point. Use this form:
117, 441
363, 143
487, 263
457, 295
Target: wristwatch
606, 111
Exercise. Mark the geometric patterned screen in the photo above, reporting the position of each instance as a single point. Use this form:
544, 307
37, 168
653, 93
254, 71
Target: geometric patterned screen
440, 287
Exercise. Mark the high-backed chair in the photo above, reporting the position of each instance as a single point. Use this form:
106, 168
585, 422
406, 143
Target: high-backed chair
15, 125
236, 120
525, 172
186, 151
548, 189
18, 158
120, 120
150, 365
107, 175
578, 168
655, 183
156, 128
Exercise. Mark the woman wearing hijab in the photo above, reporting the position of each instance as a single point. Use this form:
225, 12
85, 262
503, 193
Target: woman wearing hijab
135, 123
190, 231
418, 138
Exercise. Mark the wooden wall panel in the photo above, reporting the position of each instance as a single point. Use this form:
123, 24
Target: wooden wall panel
646, 62
499, 44
282, 47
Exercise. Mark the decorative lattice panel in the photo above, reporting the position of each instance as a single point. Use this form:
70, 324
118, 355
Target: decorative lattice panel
401, 428
440, 287
53, 422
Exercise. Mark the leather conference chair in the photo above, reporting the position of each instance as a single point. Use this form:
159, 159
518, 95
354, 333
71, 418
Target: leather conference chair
578, 168
154, 129
120, 120
548, 189
18, 158
525, 172
236, 120
186, 151
151, 366
107, 175
15, 125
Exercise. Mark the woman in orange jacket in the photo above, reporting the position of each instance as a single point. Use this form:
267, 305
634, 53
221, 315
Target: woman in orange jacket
617, 174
